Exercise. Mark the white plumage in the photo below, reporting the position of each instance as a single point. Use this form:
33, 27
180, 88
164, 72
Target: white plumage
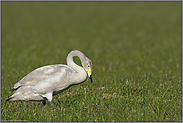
45, 82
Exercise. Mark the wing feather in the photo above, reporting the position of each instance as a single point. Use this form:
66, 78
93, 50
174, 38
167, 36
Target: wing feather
50, 73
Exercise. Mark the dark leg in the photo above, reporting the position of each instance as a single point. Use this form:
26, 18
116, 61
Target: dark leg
54, 105
44, 102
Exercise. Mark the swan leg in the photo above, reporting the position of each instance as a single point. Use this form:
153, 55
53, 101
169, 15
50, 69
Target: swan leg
54, 105
44, 102
49, 96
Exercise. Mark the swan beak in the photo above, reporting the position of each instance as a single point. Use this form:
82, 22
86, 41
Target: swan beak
90, 74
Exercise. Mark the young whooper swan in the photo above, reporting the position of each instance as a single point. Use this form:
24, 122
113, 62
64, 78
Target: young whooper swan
45, 82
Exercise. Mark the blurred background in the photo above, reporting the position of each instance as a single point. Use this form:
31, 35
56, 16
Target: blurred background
112, 34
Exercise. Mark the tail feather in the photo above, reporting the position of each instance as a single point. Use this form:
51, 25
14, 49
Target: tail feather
14, 89
9, 99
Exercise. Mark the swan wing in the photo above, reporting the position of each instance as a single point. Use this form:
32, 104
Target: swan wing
45, 75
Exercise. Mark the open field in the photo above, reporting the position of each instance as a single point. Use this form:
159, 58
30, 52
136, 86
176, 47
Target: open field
135, 48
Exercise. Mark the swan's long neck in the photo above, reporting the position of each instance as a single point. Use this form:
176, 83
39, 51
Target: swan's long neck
81, 73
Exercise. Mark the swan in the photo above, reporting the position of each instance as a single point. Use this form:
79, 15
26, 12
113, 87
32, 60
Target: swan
47, 81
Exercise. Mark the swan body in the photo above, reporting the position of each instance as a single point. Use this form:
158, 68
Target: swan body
45, 82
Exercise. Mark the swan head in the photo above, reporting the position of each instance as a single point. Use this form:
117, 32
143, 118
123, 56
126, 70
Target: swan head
87, 65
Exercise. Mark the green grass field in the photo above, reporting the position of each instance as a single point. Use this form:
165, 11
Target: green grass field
135, 48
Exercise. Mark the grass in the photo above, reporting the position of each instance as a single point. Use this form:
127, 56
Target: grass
135, 48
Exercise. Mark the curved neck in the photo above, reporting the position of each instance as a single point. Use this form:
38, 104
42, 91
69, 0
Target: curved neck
70, 61
81, 74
